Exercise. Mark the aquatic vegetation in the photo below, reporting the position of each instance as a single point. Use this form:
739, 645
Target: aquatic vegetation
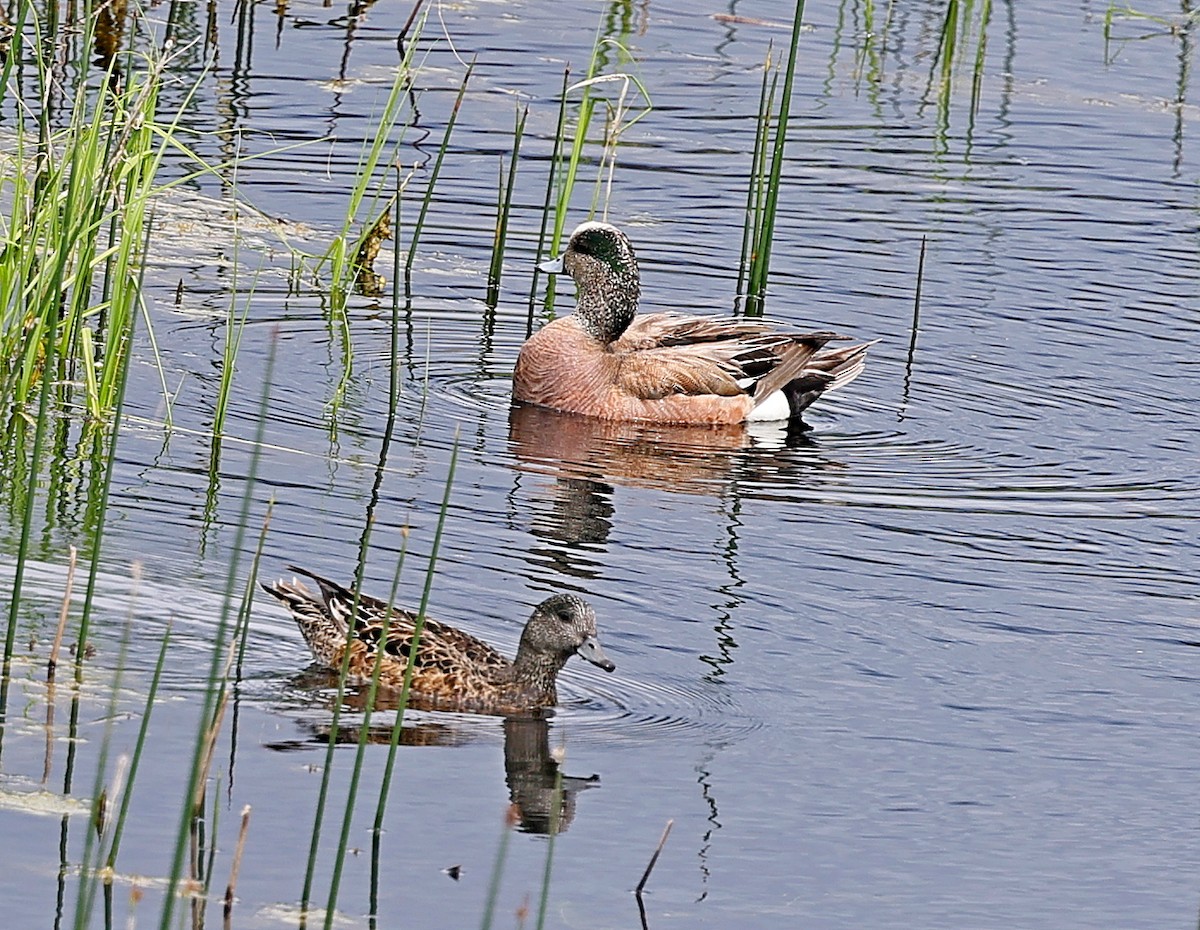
504, 210
151, 675
763, 200
1174, 26
617, 121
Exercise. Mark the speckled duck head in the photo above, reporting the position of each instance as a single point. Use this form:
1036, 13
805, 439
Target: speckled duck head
561, 626
601, 261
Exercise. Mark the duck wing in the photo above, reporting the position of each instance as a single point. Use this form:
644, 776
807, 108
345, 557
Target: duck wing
675, 353
652, 374
441, 646
658, 330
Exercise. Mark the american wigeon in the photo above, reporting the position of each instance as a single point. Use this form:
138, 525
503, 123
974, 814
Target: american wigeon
604, 361
453, 670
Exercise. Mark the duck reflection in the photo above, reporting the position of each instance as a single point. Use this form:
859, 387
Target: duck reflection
591, 450
688, 458
531, 769
587, 456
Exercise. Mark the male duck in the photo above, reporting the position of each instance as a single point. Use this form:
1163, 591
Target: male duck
667, 367
452, 669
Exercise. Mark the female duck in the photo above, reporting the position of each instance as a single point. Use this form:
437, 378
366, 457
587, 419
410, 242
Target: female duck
452, 670
667, 367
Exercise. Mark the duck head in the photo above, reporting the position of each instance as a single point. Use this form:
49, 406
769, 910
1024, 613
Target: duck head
600, 259
560, 627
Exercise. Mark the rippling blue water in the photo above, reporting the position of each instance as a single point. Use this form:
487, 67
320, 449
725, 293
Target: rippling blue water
932, 664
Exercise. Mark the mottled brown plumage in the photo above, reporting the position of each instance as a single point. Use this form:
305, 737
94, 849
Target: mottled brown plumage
604, 361
452, 670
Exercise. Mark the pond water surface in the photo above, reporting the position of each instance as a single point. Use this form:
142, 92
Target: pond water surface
930, 664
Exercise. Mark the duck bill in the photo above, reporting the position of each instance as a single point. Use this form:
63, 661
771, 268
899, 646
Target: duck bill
590, 650
552, 265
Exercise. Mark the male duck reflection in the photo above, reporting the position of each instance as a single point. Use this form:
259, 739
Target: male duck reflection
452, 670
667, 367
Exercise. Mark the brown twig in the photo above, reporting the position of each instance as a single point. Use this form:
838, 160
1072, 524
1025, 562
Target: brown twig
52, 665
237, 864
653, 859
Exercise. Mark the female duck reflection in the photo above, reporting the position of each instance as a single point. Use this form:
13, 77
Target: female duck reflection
530, 766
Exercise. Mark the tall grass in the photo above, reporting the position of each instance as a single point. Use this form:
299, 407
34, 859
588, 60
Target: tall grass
344, 256
220, 662
765, 177
436, 170
74, 241
1155, 25
618, 104
503, 209
71, 262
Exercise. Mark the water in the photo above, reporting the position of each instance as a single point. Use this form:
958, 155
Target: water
930, 664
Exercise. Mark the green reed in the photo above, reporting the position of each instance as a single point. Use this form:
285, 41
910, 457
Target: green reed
555, 817
364, 547
914, 328
551, 177
98, 501
1174, 26
501, 857
74, 242
23, 547
436, 170
617, 109
235, 325
335, 723
756, 189
100, 835
626, 88
389, 768
394, 742
344, 255
135, 760
212, 707
765, 176
503, 208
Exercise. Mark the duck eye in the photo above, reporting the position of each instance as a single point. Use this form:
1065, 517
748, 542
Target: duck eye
564, 615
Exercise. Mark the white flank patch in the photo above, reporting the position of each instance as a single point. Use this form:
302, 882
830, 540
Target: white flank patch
772, 407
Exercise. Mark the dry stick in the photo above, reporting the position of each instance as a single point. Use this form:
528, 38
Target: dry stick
52, 664
237, 864
916, 319
912, 345
653, 859
210, 745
